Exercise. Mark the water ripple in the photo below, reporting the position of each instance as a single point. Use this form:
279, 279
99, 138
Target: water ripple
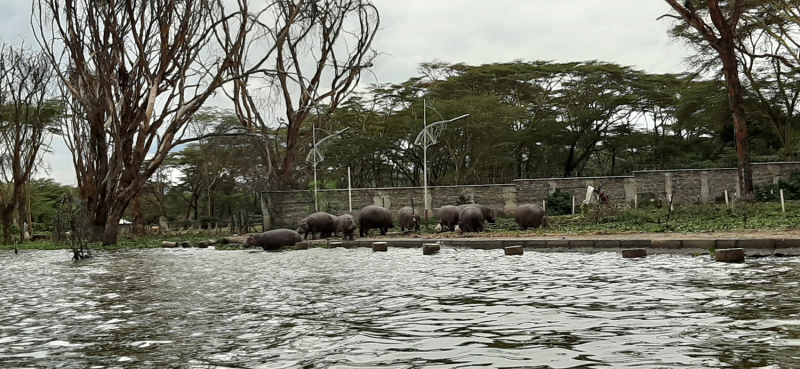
200, 308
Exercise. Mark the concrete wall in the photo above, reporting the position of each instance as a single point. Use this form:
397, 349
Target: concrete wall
687, 186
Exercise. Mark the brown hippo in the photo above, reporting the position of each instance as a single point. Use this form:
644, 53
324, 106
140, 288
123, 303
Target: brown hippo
374, 216
448, 216
408, 219
470, 219
321, 222
531, 216
488, 213
274, 239
345, 224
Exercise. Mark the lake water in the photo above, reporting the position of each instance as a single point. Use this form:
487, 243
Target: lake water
352, 308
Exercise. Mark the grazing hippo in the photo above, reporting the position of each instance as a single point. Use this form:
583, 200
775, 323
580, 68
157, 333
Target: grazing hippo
470, 219
274, 239
531, 216
408, 219
321, 222
374, 216
345, 224
448, 216
488, 213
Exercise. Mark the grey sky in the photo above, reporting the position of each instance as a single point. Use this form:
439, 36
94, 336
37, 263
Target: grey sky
476, 32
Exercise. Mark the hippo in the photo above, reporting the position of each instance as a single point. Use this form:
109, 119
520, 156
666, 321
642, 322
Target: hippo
345, 224
448, 216
321, 222
408, 219
470, 219
531, 216
374, 216
488, 213
274, 239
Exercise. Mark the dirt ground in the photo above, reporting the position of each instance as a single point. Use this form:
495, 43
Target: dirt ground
795, 233
589, 236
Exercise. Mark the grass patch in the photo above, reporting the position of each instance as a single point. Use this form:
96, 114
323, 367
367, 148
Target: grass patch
684, 219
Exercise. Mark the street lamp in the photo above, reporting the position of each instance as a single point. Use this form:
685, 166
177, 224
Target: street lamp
317, 154
427, 137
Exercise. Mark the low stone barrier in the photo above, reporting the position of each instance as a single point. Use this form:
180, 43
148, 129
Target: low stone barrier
751, 246
730, 255
634, 253
430, 248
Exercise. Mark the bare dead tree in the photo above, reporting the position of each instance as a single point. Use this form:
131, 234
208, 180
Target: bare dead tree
135, 72
27, 118
315, 52
716, 22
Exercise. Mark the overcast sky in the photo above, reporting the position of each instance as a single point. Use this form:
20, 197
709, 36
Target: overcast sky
475, 32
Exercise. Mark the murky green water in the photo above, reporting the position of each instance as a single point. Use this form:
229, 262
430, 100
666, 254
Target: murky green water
354, 308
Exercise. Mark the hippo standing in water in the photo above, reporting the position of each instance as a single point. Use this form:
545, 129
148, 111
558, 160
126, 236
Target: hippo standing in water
274, 239
531, 216
345, 224
321, 222
448, 216
408, 219
374, 216
470, 219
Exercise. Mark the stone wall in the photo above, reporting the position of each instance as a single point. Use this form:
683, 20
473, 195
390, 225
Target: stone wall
687, 186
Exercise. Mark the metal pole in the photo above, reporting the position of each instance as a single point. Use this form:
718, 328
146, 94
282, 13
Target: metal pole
349, 189
425, 156
314, 138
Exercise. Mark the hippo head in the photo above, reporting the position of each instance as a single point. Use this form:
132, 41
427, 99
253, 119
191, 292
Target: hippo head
303, 228
249, 242
417, 221
349, 223
491, 216
458, 229
438, 228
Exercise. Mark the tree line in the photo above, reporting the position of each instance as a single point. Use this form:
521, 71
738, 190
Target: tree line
127, 85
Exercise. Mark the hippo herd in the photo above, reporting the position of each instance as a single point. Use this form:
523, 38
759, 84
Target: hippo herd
459, 219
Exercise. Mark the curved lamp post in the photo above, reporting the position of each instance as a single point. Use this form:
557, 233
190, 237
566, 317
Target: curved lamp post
317, 154
427, 137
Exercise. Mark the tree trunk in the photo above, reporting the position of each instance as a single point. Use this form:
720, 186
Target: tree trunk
735, 93
6, 215
112, 227
138, 216
266, 219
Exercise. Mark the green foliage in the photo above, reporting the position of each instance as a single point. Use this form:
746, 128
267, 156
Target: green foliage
648, 200
767, 192
791, 186
559, 203
463, 199
45, 196
771, 191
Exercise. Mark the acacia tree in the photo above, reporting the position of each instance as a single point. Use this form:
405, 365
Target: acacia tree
316, 51
769, 49
135, 72
716, 22
26, 126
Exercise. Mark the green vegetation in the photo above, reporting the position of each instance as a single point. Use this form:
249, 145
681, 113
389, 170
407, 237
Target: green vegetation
690, 218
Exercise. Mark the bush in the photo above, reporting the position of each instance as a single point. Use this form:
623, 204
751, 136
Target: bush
771, 192
768, 192
649, 200
559, 203
791, 186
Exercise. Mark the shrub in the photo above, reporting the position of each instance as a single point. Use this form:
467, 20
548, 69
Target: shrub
559, 203
771, 192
